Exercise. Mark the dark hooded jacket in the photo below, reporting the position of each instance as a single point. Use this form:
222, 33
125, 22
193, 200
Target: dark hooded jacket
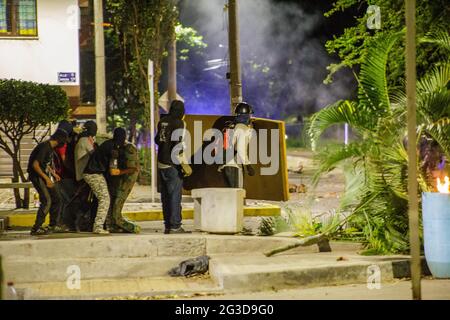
100, 159
167, 125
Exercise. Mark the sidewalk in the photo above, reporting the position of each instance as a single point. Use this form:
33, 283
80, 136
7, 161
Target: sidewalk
396, 290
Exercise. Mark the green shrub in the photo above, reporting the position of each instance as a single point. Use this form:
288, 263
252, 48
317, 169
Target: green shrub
25, 106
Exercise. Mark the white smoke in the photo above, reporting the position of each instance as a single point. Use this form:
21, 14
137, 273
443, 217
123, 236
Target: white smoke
281, 37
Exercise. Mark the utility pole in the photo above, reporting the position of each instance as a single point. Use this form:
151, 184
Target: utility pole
172, 90
411, 75
100, 82
151, 86
234, 51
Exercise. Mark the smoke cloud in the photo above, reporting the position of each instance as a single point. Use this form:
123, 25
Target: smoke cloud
282, 54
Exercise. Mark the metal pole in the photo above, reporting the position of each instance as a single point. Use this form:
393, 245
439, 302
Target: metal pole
235, 59
151, 78
412, 152
172, 90
100, 86
346, 134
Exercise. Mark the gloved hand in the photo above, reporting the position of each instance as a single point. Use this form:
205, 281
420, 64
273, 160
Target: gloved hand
187, 170
250, 171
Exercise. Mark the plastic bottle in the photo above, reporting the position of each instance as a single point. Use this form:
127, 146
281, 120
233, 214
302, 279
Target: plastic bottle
11, 293
113, 164
36, 200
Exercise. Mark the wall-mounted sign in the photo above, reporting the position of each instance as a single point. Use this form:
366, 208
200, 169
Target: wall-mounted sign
67, 77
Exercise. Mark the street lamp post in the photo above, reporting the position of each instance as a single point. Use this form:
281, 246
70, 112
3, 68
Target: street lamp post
100, 82
235, 60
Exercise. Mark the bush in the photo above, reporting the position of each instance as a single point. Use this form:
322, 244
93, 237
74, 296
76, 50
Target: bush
25, 106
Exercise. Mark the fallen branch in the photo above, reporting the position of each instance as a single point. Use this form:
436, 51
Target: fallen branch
321, 240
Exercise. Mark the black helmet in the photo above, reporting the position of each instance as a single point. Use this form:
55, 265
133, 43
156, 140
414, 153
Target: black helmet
243, 108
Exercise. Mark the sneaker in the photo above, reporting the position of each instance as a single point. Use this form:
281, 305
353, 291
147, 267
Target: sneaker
178, 231
166, 231
58, 229
100, 230
39, 232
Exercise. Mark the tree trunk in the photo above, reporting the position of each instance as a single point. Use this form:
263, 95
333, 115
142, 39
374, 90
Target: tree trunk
133, 122
15, 179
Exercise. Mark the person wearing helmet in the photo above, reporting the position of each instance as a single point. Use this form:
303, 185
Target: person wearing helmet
236, 142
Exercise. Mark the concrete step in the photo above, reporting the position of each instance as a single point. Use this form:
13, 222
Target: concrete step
152, 288
59, 270
259, 273
86, 245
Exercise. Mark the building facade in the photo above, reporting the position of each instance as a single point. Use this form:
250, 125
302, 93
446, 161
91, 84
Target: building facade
45, 41
39, 41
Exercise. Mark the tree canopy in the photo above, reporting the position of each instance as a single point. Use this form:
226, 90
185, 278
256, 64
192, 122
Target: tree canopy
352, 45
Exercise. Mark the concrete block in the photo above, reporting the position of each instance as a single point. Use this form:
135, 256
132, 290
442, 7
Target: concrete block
218, 210
180, 246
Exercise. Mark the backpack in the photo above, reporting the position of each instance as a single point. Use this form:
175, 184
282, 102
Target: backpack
226, 142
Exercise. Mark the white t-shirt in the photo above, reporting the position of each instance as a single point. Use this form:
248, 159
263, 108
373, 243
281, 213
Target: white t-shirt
83, 150
241, 136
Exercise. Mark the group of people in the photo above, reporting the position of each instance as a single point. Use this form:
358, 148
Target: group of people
172, 171
84, 185
70, 167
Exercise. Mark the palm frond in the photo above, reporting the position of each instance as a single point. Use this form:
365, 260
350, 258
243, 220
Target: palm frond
434, 80
343, 111
440, 38
373, 89
332, 156
440, 132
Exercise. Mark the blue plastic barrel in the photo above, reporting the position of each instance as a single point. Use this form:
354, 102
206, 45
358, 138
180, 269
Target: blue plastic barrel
436, 229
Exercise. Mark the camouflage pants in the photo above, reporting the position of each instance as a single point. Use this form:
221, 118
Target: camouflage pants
99, 187
120, 188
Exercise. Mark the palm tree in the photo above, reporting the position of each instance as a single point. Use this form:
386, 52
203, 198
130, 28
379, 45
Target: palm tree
376, 162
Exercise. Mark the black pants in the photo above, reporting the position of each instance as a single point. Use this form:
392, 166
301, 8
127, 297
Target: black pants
50, 201
231, 175
171, 187
67, 189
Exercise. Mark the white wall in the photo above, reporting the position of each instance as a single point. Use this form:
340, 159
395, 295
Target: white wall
55, 50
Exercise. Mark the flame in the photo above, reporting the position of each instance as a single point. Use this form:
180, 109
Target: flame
443, 187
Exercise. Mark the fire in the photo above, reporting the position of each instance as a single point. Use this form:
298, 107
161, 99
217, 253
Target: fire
443, 187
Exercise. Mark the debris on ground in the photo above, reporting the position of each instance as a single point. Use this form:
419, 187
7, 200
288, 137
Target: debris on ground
191, 267
342, 259
298, 170
294, 188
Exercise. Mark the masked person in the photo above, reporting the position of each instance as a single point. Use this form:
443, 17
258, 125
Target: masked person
237, 138
120, 187
79, 206
84, 148
44, 178
65, 168
99, 166
170, 173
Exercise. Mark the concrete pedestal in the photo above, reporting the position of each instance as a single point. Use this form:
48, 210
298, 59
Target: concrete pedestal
218, 210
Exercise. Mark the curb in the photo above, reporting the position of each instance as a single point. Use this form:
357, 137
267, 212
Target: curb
25, 220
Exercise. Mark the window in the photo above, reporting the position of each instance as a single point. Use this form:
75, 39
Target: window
18, 18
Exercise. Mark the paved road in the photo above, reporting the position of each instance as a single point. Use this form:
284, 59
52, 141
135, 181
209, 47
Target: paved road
398, 290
